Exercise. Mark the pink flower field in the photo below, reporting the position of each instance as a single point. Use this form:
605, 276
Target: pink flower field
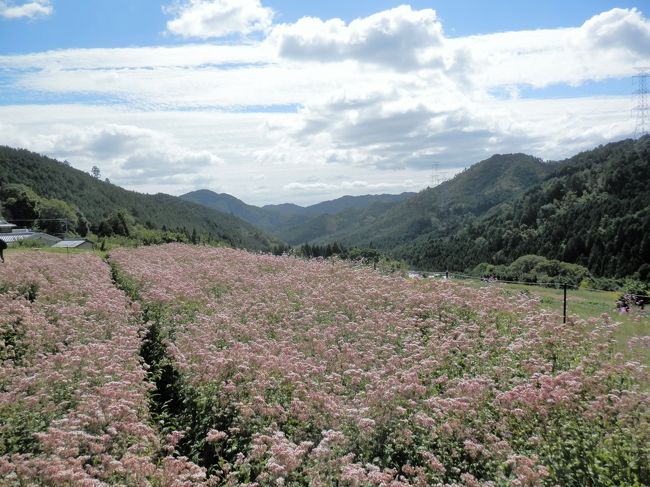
221, 367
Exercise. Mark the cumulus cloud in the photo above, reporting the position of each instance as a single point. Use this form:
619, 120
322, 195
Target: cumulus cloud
402, 38
29, 10
396, 130
156, 162
618, 28
405, 131
353, 57
606, 46
206, 19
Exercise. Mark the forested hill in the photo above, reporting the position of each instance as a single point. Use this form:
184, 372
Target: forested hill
297, 224
229, 204
592, 209
97, 199
451, 204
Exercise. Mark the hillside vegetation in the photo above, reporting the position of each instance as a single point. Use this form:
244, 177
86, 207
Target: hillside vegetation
592, 209
449, 205
98, 200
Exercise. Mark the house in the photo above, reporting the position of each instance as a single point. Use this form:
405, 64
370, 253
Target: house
11, 235
74, 244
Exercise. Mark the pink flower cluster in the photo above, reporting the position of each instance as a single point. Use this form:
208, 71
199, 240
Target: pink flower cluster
73, 399
341, 375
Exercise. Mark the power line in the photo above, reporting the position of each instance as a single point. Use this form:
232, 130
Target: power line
38, 219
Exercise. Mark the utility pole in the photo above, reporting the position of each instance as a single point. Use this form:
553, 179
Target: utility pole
642, 108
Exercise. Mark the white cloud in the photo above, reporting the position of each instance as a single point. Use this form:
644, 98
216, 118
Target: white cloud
192, 56
257, 163
309, 186
29, 10
206, 19
606, 46
125, 153
400, 38
359, 116
353, 185
172, 87
624, 29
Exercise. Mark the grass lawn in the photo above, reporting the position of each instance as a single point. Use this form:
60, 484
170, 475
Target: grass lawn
589, 304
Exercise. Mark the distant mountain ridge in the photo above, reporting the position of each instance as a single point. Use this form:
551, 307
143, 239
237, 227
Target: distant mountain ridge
291, 222
388, 221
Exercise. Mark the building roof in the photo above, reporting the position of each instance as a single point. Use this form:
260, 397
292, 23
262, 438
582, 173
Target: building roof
26, 235
5, 224
70, 243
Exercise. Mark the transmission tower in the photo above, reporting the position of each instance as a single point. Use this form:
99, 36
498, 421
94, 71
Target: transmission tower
437, 177
642, 108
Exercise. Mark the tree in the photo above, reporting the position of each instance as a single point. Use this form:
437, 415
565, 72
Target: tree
83, 225
56, 216
105, 229
19, 203
95, 172
120, 222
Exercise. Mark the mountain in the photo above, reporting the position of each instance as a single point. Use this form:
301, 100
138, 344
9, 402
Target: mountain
452, 203
592, 209
285, 209
226, 203
293, 223
332, 207
329, 227
97, 199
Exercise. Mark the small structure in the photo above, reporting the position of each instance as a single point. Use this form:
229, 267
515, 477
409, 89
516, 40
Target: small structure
6, 227
74, 244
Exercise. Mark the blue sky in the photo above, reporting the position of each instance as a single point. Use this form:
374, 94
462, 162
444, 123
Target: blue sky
252, 98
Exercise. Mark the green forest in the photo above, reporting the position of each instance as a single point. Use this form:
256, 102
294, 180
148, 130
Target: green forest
90, 204
592, 210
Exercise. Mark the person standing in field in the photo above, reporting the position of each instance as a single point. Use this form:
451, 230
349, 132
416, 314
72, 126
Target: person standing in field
3, 246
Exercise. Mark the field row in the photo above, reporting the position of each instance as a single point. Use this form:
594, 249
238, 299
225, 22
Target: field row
73, 394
